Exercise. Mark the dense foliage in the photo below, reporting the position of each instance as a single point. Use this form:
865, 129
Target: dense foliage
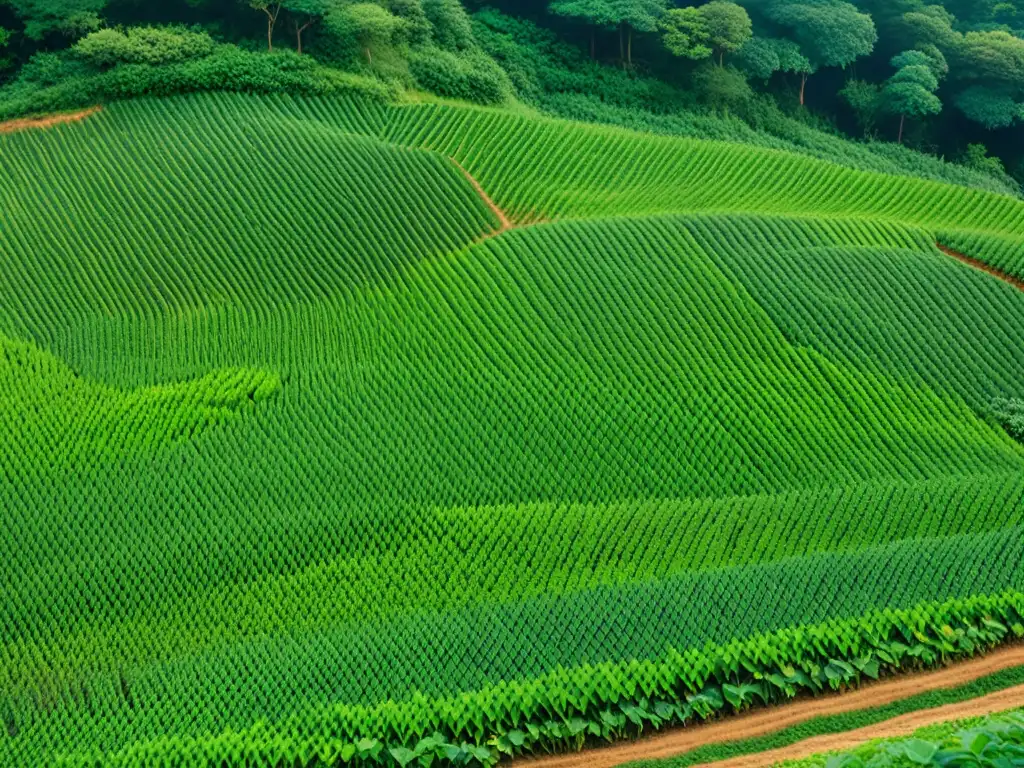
323, 465
992, 742
948, 77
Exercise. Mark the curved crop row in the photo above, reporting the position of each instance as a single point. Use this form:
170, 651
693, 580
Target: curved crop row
609, 700
549, 169
165, 207
490, 460
1005, 254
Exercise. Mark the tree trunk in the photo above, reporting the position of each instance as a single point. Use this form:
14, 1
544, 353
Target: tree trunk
298, 33
593, 44
721, 58
369, 56
903, 119
622, 51
803, 87
629, 50
271, 21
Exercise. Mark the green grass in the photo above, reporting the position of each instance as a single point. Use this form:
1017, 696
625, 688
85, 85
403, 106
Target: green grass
300, 453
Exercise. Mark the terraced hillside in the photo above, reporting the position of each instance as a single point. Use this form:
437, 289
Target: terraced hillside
339, 431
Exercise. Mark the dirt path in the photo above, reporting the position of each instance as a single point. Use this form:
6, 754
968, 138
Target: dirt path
904, 725
46, 121
776, 718
506, 222
978, 264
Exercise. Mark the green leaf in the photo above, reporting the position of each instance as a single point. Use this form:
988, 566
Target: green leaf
516, 738
919, 751
402, 755
976, 741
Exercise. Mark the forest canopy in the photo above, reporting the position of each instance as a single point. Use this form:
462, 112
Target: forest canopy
945, 77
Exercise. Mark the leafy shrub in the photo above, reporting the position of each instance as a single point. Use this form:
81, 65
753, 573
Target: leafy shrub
51, 82
994, 742
1010, 414
470, 77
143, 45
452, 28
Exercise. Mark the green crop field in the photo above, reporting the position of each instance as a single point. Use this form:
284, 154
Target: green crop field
308, 460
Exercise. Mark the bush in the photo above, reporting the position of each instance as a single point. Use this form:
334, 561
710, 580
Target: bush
51, 82
469, 77
453, 30
721, 87
143, 45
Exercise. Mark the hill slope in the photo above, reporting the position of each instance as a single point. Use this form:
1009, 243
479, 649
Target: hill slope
702, 411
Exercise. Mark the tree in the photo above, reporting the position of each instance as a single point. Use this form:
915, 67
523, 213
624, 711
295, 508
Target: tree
417, 25
721, 87
72, 18
865, 99
911, 91
762, 57
988, 67
452, 28
728, 27
272, 11
684, 33
830, 33
594, 13
306, 13
367, 24
635, 16
989, 107
697, 33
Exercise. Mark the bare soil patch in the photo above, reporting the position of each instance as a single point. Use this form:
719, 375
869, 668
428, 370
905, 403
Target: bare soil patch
978, 264
46, 121
769, 720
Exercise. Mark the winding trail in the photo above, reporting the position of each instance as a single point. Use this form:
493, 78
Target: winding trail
764, 721
505, 221
46, 121
981, 265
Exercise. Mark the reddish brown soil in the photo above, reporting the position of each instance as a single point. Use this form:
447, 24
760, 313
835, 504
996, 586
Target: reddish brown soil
977, 264
904, 725
46, 121
773, 719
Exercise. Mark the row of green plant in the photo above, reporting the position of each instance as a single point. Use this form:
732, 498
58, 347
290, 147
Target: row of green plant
574, 708
324, 229
1005, 254
547, 169
996, 741
865, 303
475, 445
95, 419
847, 721
356, 569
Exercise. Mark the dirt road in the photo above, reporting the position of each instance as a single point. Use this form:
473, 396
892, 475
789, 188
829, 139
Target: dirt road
772, 719
904, 725
977, 264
